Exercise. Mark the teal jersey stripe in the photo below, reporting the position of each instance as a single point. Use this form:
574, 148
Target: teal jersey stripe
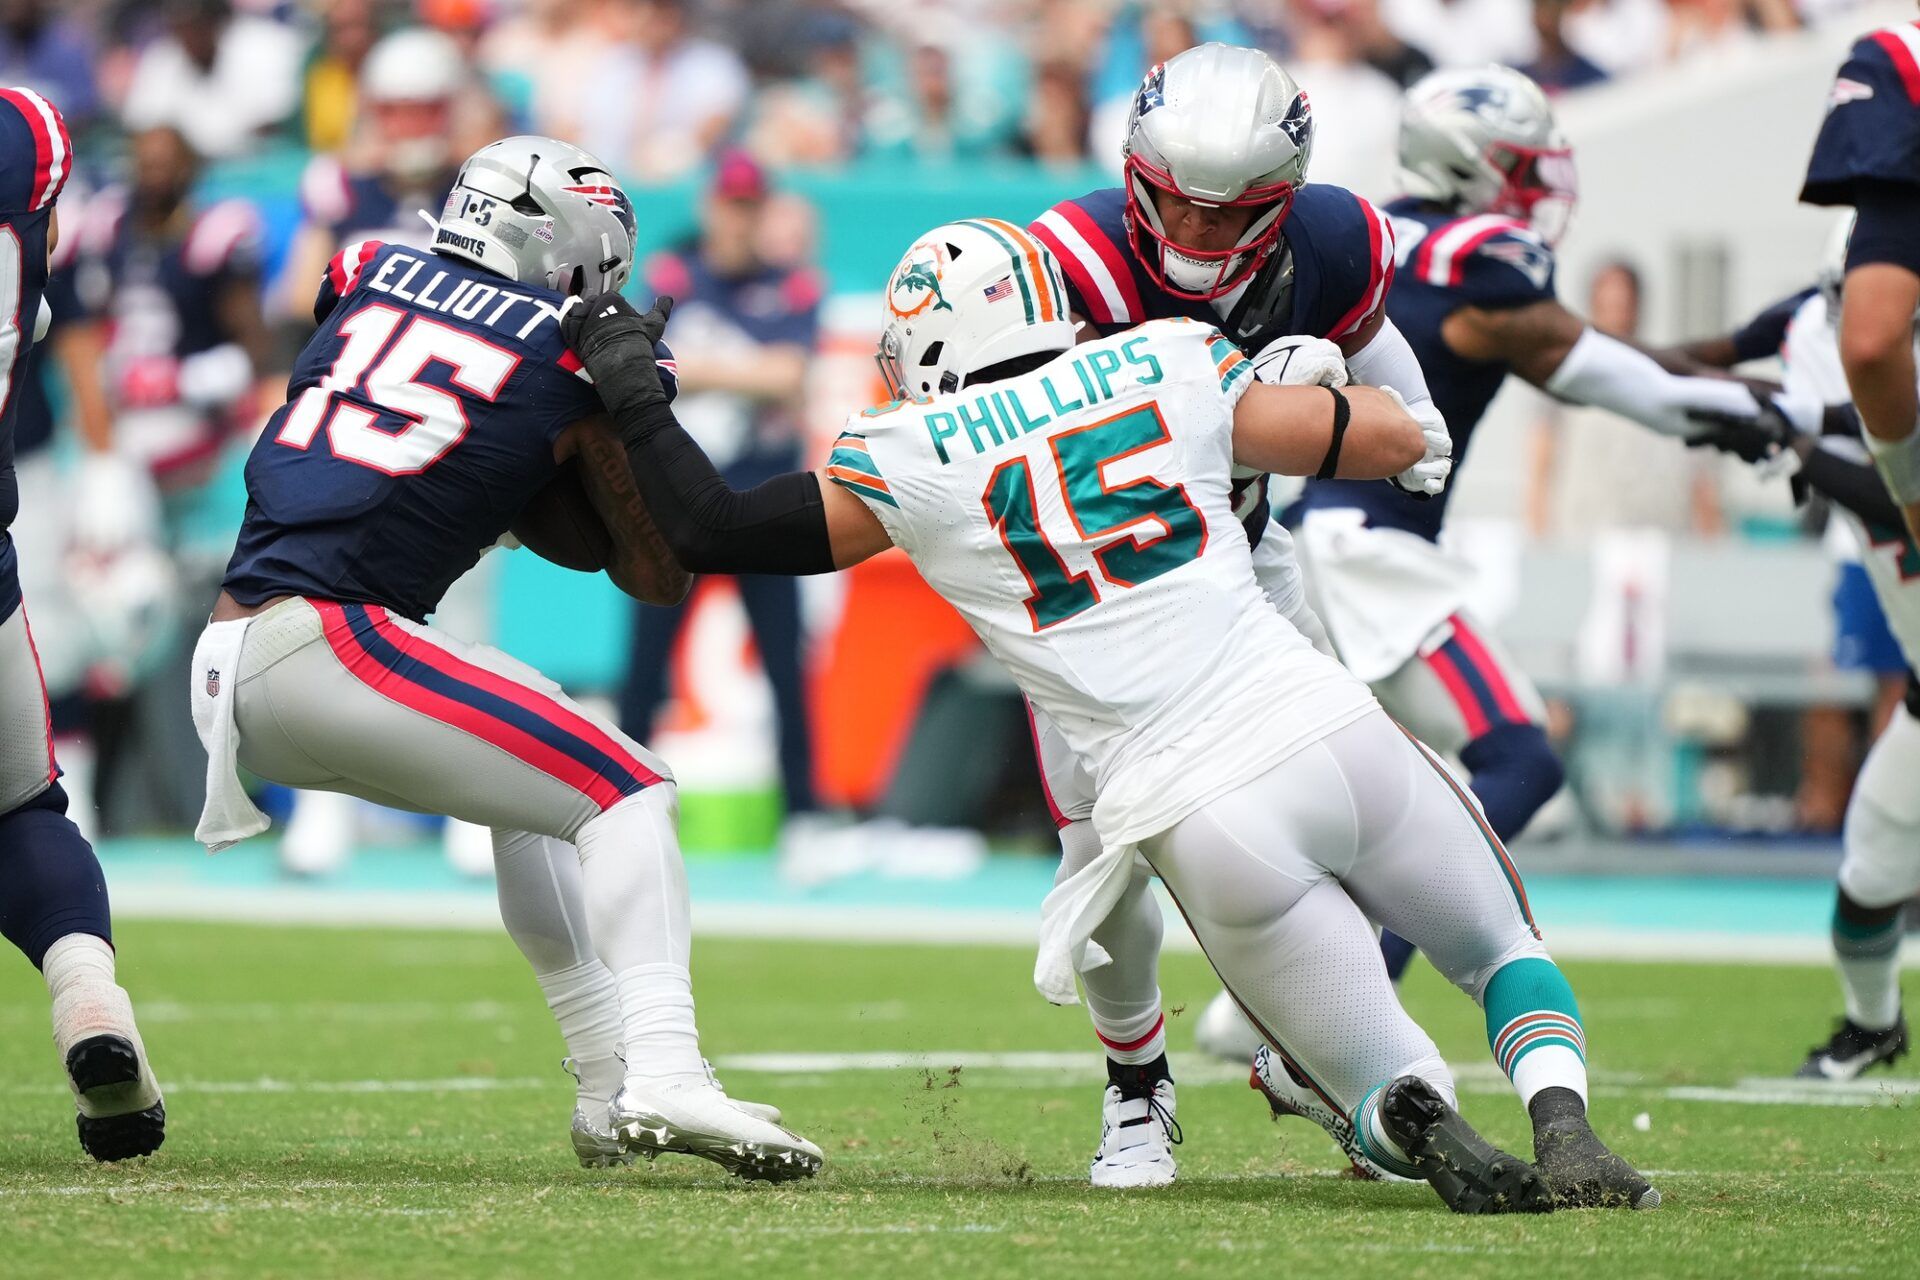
1239, 373
1019, 263
854, 460
864, 491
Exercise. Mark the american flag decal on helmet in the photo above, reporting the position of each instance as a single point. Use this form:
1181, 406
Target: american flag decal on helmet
1001, 288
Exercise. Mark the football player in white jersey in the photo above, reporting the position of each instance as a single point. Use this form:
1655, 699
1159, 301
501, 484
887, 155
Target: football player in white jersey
1074, 504
1880, 861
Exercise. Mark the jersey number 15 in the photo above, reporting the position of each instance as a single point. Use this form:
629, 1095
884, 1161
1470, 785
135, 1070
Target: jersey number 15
376, 377
1142, 528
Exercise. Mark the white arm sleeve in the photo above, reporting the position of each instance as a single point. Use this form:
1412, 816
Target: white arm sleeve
1609, 374
1388, 361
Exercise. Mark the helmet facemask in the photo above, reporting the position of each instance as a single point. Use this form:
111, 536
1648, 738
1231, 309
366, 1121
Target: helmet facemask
1200, 275
1538, 186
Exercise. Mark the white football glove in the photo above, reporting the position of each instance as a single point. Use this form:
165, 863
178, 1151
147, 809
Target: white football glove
1429, 475
114, 505
1300, 361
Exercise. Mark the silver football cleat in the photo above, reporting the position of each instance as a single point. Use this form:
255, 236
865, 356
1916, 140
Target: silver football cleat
696, 1118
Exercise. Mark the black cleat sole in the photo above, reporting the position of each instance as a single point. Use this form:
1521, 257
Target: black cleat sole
100, 1067
1468, 1173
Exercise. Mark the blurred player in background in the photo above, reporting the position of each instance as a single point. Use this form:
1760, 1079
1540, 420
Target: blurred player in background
1880, 842
433, 404
53, 897
744, 336
401, 160
170, 296
1867, 156
1076, 505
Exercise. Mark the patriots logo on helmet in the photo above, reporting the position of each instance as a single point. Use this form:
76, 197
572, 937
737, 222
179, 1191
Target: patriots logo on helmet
1153, 91
1486, 100
1297, 124
608, 195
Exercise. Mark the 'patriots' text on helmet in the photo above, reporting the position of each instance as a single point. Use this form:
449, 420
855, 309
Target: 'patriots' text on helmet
542, 212
967, 296
1224, 127
1484, 141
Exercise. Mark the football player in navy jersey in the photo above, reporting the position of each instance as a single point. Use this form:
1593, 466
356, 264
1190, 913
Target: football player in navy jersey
1867, 156
53, 897
403, 159
435, 401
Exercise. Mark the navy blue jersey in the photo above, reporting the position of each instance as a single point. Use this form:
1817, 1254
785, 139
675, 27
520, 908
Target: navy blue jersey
32, 404
1340, 249
1336, 249
350, 206
1872, 130
35, 160
1447, 261
420, 419
1761, 337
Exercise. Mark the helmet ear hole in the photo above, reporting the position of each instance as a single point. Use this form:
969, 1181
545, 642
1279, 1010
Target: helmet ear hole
932, 354
577, 282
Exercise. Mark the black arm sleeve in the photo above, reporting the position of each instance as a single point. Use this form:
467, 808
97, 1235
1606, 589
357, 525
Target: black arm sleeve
1854, 485
776, 527
1763, 335
1888, 226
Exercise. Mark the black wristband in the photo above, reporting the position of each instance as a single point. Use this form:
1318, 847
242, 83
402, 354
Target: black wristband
1342, 414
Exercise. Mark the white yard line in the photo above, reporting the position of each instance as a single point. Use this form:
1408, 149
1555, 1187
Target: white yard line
441, 909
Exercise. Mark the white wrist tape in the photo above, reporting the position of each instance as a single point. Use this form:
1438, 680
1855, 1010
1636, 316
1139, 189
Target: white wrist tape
1609, 374
1899, 464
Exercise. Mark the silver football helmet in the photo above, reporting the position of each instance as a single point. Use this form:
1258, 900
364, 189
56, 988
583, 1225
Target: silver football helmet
542, 212
1223, 126
1483, 140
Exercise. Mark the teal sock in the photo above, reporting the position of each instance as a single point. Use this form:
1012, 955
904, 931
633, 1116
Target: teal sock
1868, 956
1533, 1028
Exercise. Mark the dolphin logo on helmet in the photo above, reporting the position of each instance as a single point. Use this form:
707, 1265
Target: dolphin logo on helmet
917, 274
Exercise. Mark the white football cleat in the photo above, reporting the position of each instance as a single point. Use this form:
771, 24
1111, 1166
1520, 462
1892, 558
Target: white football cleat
1225, 1032
1286, 1096
120, 1111
319, 837
594, 1143
1137, 1136
696, 1118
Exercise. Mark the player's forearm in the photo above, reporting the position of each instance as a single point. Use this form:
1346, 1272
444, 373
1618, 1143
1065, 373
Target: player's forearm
1848, 482
777, 527
1610, 374
642, 565
79, 348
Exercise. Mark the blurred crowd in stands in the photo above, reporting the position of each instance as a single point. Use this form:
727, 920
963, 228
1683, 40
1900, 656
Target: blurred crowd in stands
654, 86
177, 311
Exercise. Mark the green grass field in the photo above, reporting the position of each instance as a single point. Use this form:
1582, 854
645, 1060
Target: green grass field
389, 1103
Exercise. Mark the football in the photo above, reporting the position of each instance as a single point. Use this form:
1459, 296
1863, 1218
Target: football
560, 525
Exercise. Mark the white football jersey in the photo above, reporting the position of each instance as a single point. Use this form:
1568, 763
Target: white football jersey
1079, 518
1892, 562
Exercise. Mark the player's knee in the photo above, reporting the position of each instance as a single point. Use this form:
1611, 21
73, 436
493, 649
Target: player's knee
1515, 771
1880, 862
50, 881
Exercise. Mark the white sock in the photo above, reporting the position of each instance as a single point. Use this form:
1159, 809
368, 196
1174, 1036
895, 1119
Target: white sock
1130, 1043
656, 1015
638, 919
75, 959
1870, 977
586, 1004
1549, 1066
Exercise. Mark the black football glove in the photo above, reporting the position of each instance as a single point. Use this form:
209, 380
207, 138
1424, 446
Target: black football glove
1759, 440
616, 343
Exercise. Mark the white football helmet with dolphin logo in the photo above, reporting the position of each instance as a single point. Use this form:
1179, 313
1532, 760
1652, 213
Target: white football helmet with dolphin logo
969, 295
